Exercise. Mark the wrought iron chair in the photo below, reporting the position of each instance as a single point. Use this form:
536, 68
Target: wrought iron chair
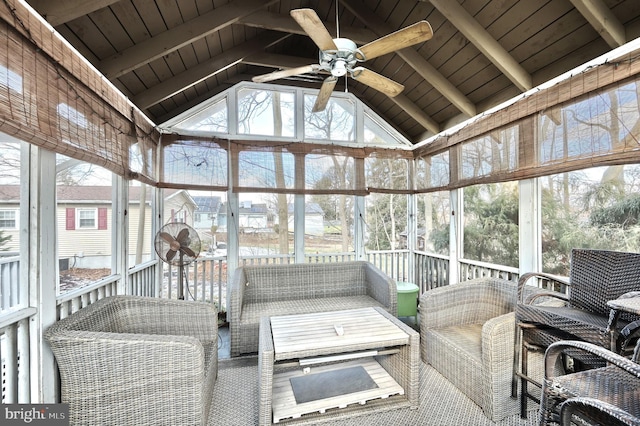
606, 395
574, 309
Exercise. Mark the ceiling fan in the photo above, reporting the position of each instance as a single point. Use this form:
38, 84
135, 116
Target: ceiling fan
341, 56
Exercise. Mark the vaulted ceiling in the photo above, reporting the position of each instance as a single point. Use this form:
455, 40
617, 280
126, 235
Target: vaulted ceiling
169, 55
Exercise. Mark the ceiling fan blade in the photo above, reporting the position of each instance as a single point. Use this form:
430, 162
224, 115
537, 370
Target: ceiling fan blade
188, 251
167, 237
408, 36
170, 255
377, 81
312, 25
325, 93
286, 73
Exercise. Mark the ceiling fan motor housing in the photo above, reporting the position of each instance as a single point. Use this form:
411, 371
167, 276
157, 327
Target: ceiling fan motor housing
339, 62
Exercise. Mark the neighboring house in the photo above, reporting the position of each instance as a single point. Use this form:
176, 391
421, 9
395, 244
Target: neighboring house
206, 214
313, 219
84, 221
420, 236
251, 218
10, 217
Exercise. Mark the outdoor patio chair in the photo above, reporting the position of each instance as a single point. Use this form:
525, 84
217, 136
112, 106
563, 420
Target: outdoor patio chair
606, 395
466, 334
130, 360
574, 309
594, 411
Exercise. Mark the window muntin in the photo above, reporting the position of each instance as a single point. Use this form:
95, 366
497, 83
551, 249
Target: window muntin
87, 219
8, 219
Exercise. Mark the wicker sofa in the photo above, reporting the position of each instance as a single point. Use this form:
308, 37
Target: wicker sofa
127, 360
267, 290
466, 334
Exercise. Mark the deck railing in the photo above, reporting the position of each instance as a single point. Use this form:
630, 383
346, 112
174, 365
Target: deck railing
470, 269
9, 282
205, 280
82, 297
142, 279
431, 271
14, 359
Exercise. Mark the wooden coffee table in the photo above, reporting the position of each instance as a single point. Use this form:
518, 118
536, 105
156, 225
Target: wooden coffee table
294, 345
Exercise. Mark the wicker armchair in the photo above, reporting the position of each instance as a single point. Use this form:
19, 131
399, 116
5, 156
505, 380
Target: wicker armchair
127, 360
466, 334
596, 277
606, 395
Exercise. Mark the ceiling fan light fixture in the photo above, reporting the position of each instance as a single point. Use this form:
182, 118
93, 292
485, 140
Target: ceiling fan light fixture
339, 68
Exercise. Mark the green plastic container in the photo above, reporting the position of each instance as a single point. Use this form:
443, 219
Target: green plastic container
407, 299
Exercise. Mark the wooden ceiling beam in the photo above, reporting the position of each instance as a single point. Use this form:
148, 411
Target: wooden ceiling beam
416, 113
169, 41
476, 34
603, 21
62, 11
414, 59
204, 70
286, 24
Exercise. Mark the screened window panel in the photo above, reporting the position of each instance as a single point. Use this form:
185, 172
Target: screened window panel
266, 169
434, 215
495, 152
433, 172
387, 173
329, 172
141, 158
604, 123
335, 123
214, 118
196, 163
266, 113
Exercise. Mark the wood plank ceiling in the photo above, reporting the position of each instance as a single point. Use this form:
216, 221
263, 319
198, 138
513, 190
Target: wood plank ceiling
169, 55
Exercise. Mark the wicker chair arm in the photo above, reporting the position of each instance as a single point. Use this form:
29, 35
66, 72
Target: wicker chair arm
529, 300
591, 409
629, 333
556, 349
497, 339
238, 284
522, 294
79, 337
381, 288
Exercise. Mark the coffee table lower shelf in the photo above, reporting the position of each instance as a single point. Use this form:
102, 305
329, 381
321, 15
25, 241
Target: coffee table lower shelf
284, 401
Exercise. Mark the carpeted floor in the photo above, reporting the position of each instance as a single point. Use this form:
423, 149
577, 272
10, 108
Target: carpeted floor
235, 403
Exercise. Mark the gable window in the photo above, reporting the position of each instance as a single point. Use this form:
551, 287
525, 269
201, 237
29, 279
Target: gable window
8, 219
